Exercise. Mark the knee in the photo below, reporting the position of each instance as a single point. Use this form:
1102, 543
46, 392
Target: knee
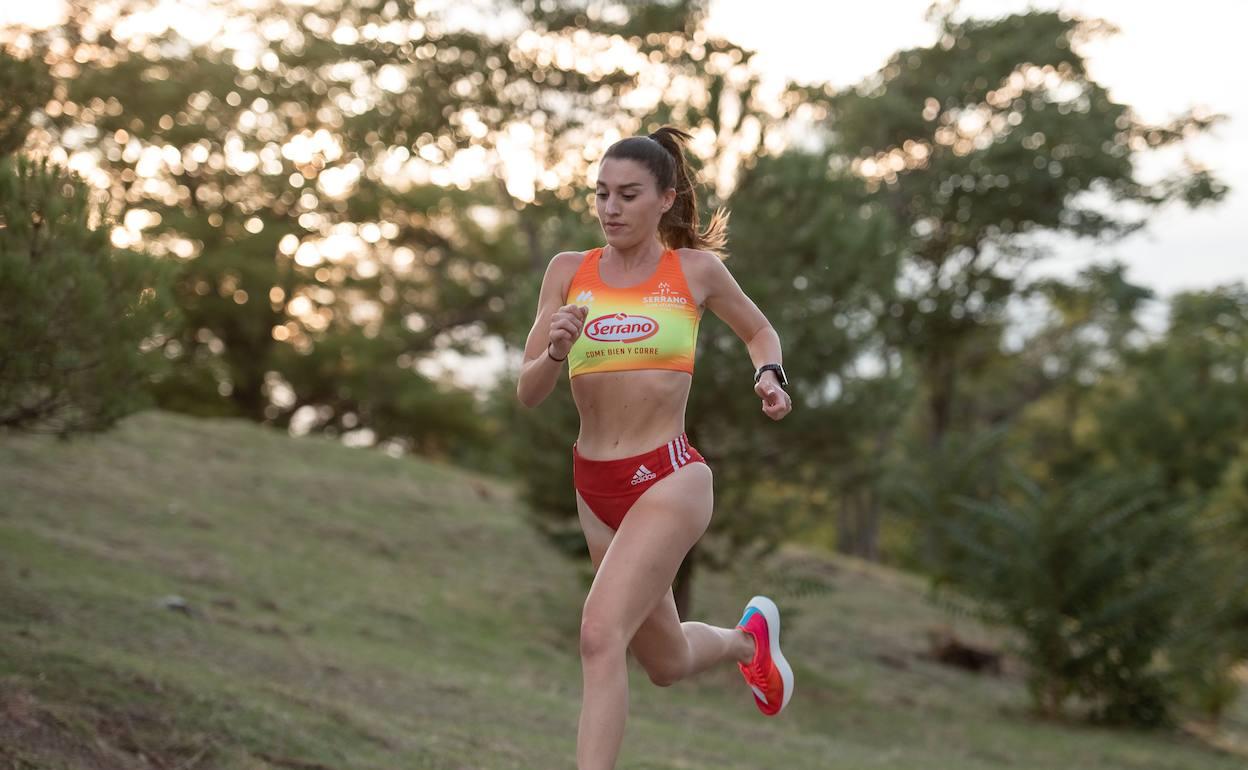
600, 638
665, 674
668, 668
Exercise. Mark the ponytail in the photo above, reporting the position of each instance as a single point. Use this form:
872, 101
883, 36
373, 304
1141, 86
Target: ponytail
663, 153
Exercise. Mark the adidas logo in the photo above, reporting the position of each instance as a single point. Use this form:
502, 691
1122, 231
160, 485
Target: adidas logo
642, 475
584, 298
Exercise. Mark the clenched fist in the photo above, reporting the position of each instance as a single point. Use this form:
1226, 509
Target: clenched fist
776, 402
565, 327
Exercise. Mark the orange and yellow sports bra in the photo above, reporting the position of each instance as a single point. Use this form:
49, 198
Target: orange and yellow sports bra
653, 325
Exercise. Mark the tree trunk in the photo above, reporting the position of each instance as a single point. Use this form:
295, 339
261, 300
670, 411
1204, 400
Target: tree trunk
858, 524
866, 544
845, 524
248, 394
940, 374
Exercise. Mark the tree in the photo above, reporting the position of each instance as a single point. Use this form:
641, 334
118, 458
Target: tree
74, 311
351, 176
990, 136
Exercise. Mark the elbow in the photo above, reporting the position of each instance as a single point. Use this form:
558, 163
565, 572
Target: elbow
526, 398
761, 332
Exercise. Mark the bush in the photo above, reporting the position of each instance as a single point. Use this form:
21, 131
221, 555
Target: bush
1099, 579
73, 310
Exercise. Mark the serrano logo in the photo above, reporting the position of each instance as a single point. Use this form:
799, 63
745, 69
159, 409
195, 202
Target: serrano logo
621, 327
663, 296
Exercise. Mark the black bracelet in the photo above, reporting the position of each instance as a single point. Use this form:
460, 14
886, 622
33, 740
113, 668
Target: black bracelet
552, 358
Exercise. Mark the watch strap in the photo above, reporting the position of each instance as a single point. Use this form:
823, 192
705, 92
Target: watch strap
777, 368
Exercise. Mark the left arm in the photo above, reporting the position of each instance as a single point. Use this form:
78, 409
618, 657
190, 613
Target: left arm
726, 300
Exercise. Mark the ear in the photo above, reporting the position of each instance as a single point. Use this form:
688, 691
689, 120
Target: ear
669, 198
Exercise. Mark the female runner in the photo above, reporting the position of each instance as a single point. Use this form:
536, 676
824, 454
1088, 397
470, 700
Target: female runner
624, 318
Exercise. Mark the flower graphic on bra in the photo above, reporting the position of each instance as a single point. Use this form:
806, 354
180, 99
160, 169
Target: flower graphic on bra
584, 298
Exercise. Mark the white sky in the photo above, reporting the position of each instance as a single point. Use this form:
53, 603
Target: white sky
1167, 59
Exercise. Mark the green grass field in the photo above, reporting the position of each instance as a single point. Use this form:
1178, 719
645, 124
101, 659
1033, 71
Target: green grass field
185, 593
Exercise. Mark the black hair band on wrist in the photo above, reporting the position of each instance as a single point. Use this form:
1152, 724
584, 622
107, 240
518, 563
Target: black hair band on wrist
552, 358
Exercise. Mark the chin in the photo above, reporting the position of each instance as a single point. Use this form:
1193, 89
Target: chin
622, 240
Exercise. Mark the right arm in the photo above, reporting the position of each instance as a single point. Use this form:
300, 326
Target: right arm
554, 330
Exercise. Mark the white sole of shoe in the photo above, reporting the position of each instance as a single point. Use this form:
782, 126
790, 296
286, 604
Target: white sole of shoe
772, 613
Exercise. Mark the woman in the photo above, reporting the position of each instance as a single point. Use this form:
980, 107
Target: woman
624, 319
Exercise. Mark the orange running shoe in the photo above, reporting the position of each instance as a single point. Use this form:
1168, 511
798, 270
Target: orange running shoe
768, 674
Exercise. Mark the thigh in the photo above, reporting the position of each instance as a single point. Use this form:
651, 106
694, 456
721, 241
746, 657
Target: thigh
635, 566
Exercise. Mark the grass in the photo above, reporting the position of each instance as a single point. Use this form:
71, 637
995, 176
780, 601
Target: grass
184, 593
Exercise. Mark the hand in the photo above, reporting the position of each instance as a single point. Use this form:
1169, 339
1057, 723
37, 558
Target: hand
565, 327
776, 402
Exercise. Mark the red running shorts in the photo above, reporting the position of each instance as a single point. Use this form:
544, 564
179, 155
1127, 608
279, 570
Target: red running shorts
610, 487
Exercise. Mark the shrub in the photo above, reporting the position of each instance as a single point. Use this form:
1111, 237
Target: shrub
1099, 579
73, 310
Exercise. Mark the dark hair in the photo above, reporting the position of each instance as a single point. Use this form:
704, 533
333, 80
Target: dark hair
663, 153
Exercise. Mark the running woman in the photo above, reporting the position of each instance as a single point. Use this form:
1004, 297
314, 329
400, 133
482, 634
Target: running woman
624, 320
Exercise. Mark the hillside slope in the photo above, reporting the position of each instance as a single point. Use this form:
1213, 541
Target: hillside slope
185, 593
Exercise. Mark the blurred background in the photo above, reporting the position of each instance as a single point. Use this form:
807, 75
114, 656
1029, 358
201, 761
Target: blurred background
1000, 242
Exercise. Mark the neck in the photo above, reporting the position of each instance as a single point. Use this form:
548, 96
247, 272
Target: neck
635, 255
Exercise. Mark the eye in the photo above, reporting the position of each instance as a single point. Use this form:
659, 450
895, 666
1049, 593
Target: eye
629, 197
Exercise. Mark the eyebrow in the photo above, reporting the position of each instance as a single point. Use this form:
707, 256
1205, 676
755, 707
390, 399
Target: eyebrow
626, 184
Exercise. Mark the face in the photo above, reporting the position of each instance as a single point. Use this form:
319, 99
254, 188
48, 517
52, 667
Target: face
629, 202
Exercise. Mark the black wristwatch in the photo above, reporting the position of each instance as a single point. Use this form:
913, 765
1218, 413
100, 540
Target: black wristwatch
777, 368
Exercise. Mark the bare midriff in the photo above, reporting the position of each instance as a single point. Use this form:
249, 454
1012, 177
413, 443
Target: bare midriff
628, 413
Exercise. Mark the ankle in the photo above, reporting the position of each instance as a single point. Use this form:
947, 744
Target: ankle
746, 648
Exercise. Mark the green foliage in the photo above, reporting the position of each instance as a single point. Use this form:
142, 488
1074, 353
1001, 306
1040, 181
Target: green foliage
24, 87
993, 133
1102, 582
248, 191
926, 488
74, 311
1181, 405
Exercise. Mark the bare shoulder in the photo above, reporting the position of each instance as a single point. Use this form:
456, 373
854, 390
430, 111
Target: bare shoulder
704, 263
699, 258
566, 261
704, 270
562, 268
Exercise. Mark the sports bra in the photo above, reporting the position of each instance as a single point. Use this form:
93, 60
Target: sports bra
652, 325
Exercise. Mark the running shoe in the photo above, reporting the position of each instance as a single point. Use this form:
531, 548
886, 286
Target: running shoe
768, 674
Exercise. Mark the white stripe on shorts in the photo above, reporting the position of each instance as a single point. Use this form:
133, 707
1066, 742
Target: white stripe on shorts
672, 454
